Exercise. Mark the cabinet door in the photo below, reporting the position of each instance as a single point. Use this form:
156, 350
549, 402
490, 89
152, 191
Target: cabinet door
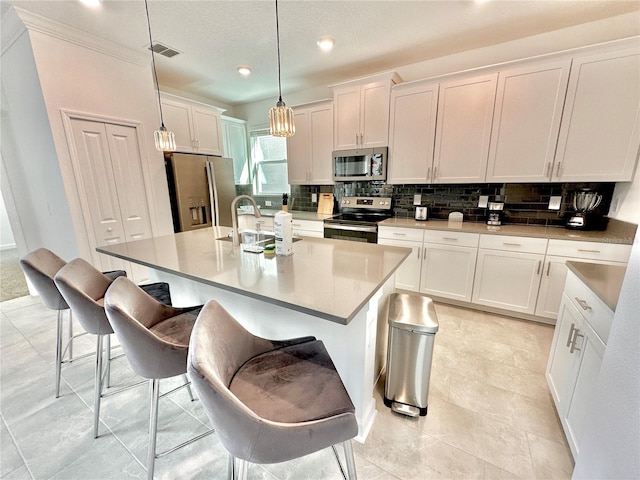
561, 366
526, 122
374, 114
412, 133
507, 280
321, 138
346, 117
235, 146
447, 271
177, 118
600, 130
463, 132
408, 274
592, 350
298, 150
207, 130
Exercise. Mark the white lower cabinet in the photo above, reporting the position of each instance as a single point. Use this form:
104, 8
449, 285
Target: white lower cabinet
440, 264
508, 272
576, 354
555, 269
308, 228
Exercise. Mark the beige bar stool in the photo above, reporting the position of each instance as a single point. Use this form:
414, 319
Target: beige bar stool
40, 268
269, 401
83, 287
155, 340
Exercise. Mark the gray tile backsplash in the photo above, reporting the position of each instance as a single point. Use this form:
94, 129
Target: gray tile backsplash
525, 203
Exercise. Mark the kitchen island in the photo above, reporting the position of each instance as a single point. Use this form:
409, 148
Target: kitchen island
334, 290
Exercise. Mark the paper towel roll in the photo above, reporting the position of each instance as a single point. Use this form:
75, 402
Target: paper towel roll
283, 229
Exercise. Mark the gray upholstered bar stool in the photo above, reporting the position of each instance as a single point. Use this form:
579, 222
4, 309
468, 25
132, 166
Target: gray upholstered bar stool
155, 340
40, 268
269, 401
83, 288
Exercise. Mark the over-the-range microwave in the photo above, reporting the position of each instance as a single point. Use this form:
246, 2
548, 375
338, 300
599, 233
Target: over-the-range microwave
362, 164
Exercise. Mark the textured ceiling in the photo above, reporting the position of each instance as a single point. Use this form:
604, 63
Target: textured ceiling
215, 36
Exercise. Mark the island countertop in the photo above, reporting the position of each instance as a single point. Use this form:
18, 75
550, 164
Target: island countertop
331, 279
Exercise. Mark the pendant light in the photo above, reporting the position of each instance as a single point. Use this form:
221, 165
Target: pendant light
280, 117
165, 139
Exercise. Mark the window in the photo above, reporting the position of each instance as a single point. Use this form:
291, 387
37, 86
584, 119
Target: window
269, 163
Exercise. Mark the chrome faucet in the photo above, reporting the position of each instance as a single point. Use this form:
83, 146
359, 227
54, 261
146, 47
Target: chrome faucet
234, 215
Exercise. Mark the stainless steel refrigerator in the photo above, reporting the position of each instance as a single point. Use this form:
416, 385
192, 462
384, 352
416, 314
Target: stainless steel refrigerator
201, 189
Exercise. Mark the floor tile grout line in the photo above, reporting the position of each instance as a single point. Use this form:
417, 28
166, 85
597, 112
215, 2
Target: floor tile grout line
15, 443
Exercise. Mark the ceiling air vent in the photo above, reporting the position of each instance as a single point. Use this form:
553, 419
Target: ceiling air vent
163, 50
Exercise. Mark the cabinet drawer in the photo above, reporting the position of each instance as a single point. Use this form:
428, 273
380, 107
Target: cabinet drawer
312, 225
451, 238
589, 305
513, 244
589, 250
397, 233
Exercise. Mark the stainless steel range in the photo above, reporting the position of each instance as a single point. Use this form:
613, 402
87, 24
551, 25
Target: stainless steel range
358, 219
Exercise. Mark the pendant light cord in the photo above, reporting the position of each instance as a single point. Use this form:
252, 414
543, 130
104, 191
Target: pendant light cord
278, 43
153, 62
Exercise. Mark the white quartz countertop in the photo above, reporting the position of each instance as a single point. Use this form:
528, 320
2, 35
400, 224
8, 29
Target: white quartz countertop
616, 232
331, 279
603, 280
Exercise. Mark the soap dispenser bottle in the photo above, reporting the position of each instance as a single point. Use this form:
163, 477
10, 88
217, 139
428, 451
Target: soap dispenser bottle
283, 229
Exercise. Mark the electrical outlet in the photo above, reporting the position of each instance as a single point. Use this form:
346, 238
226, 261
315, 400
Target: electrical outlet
417, 199
483, 201
267, 203
555, 202
314, 198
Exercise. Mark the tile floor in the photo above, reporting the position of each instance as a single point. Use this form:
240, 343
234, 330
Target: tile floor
490, 413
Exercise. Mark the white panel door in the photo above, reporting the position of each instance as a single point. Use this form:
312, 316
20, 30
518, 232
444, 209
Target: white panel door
298, 149
447, 271
600, 130
374, 117
412, 133
526, 122
507, 280
408, 274
346, 117
207, 130
177, 118
321, 137
463, 131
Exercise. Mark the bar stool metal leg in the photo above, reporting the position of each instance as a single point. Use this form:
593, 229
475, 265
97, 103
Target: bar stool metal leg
351, 463
154, 391
58, 353
97, 394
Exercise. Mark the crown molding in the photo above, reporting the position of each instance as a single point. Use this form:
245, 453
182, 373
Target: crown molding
36, 23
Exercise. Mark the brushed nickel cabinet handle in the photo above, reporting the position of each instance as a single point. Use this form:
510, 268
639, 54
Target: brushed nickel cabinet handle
583, 304
398, 234
558, 169
510, 244
539, 266
584, 250
548, 268
573, 344
546, 170
453, 239
419, 252
429, 174
572, 330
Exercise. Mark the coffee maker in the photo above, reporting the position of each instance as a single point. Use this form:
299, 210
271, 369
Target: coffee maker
496, 211
585, 215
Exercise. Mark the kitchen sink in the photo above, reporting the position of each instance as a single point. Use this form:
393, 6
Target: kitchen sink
267, 238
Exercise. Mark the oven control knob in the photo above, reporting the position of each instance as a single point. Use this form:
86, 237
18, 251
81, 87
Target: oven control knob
345, 201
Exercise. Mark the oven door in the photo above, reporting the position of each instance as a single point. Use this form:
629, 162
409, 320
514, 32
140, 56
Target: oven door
352, 232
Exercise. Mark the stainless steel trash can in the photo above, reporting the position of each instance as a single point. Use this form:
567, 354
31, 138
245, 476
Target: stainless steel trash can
412, 328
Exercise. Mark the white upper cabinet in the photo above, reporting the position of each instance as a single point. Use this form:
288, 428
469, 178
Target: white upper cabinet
412, 132
463, 130
526, 122
234, 135
600, 130
309, 151
361, 112
197, 127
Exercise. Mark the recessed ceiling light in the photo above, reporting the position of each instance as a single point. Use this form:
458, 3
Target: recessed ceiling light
326, 44
244, 71
91, 3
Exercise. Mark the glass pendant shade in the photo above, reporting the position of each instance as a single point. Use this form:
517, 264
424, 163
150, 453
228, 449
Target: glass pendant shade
281, 120
165, 140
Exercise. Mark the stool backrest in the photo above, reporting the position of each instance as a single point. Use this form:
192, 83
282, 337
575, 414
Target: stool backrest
83, 287
40, 268
133, 313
